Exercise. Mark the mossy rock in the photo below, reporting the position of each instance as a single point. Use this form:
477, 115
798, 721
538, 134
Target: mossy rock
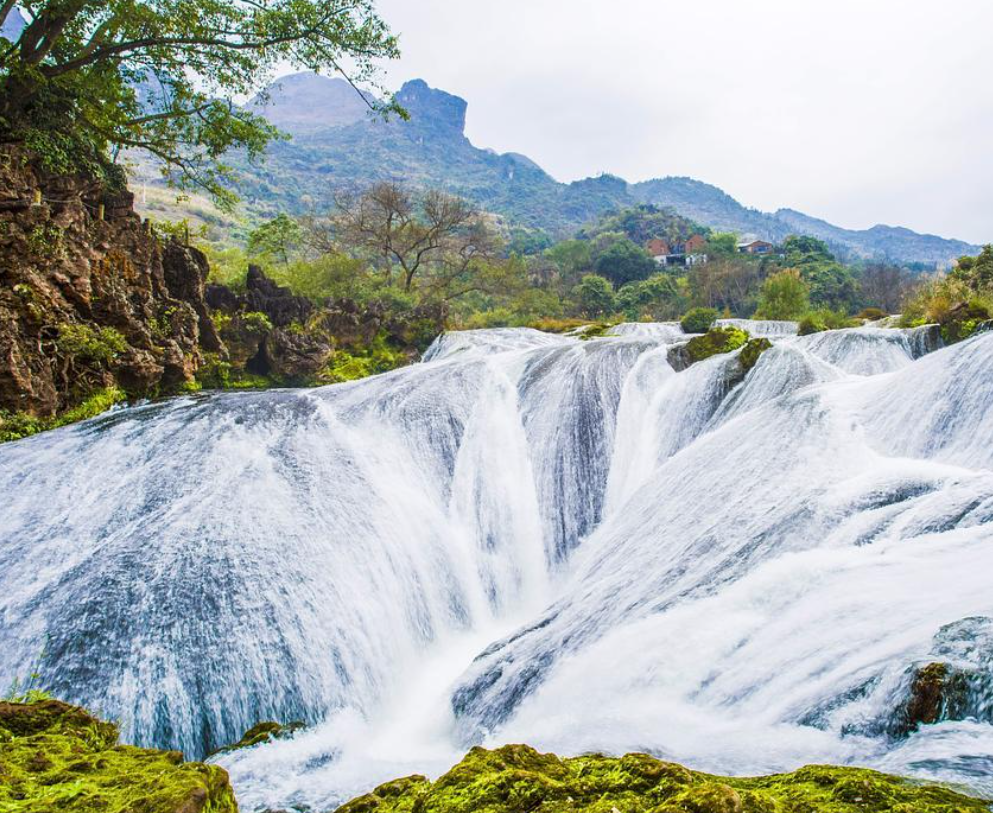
714, 342
518, 779
264, 732
963, 321
749, 355
57, 758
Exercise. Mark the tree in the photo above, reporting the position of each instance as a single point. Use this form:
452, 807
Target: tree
656, 296
722, 244
976, 272
698, 320
785, 295
278, 237
87, 79
832, 285
431, 240
625, 262
885, 286
595, 295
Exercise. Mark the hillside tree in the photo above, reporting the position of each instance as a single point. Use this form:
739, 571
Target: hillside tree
86, 80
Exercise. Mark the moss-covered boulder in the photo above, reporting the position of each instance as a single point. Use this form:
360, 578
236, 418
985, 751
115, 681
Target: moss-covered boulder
57, 758
749, 355
715, 341
264, 732
963, 321
518, 779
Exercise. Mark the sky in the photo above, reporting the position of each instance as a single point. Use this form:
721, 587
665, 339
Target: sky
856, 111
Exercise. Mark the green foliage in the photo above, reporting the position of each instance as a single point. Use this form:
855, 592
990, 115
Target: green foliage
84, 342
830, 284
785, 295
623, 262
643, 223
698, 320
714, 341
181, 230
518, 779
356, 363
89, 78
525, 242
595, 295
976, 272
279, 238
57, 757
256, 322
656, 297
824, 319
722, 244
17, 425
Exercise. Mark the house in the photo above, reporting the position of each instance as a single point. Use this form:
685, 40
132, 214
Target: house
688, 253
755, 247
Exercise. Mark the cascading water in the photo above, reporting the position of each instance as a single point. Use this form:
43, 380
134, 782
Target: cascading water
530, 538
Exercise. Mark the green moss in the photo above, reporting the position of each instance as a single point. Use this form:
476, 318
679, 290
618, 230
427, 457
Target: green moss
596, 330
714, 341
518, 779
57, 758
362, 361
17, 425
749, 355
263, 732
217, 374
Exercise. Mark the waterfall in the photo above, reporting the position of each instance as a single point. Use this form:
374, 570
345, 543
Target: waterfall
526, 537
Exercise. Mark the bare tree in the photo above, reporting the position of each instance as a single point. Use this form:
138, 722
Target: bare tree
885, 286
430, 239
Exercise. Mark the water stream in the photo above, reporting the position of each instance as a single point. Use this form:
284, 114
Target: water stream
526, 537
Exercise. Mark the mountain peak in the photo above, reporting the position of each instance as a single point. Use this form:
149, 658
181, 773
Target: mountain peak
303, 103
435, 108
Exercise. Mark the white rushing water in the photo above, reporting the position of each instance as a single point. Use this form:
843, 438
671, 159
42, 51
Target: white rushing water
530, 538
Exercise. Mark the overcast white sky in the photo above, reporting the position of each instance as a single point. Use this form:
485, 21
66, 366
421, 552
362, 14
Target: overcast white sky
857, 111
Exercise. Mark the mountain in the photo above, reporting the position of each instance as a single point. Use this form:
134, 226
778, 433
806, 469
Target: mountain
305, 103
887, 241
431, 148
337, 142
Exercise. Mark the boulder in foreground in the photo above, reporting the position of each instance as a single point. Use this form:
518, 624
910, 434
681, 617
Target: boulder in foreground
57, 758
517, 779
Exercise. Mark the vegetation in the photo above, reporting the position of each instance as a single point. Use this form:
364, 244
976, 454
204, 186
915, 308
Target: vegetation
17, 425
698, 320
518, 779
960, 302
785, 295
714, 341
88, 79
57, 757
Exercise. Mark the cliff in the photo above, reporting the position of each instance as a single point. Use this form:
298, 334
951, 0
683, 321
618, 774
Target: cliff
90, 299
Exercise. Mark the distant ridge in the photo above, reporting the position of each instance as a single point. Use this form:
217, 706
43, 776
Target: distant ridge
337, 143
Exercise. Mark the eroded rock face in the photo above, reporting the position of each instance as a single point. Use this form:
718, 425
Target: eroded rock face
54, 756
89, 297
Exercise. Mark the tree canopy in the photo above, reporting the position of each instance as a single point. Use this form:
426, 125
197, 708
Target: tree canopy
86, 79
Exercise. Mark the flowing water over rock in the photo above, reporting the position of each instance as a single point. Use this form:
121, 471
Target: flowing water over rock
529, 538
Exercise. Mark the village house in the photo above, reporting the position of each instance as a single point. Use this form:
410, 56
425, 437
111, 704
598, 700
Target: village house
755, 247
688, 253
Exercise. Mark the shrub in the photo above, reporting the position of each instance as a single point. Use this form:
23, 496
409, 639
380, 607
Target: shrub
698, 320
84, 342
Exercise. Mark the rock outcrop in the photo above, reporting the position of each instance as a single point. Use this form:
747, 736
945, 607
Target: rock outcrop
90, 298
518, 779
57, 757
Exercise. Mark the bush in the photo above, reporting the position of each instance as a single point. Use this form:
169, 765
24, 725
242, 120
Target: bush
698, 320
871, 314
595, 295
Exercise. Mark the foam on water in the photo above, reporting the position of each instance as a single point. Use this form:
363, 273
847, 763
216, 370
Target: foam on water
525, 538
